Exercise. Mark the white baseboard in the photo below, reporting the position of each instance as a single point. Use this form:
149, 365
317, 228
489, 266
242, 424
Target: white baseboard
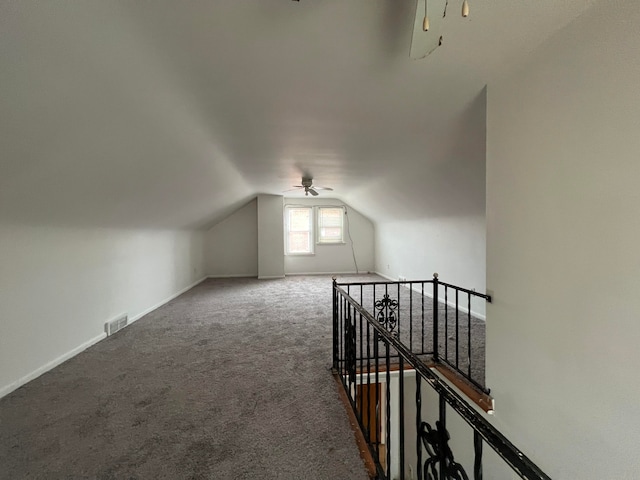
478, 315
166, 300
270, 277
7, 389
235, 275
287, 274
324, 273
386, 276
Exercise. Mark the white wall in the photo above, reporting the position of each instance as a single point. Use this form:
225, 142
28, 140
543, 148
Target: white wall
563, 171
441, 227
58, 286
453, 247
270, 236
338, 258
231, 246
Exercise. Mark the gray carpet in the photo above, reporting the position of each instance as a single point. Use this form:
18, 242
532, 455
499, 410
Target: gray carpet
229, 381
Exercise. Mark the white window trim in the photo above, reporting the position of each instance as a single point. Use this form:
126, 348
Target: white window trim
311, 231
342, 227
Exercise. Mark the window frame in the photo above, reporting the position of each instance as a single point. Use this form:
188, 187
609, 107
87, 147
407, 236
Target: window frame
319, 239
287, 230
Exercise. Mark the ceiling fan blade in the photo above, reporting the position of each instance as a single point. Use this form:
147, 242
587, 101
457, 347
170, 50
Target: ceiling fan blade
323, 188
313, 192
297, 187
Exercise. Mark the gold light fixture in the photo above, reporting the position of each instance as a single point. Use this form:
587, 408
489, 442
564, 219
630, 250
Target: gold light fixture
425, 42
465, 8
425, 22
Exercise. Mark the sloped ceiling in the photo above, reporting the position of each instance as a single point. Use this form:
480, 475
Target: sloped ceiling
167, 114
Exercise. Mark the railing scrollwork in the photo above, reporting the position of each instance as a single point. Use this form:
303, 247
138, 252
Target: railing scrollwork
350, 347
386, 310
436, 442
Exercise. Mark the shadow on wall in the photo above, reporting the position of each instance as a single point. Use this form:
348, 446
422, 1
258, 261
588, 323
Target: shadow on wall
396, 27
448, 181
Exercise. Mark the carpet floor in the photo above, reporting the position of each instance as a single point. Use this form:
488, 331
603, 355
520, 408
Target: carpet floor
231, 380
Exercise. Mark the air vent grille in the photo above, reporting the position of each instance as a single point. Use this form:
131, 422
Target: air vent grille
116, 325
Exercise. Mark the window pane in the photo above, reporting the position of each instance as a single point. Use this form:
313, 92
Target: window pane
299, 219
299, 234
331, 233
299, 242
331, 217
330, 229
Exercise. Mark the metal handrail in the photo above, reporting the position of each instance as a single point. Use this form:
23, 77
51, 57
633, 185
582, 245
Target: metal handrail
389, 309
514, 457
390, 282
404, 282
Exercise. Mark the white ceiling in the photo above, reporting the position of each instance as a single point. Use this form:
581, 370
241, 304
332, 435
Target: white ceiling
171, 114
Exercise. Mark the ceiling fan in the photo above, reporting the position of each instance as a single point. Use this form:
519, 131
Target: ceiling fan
309, 188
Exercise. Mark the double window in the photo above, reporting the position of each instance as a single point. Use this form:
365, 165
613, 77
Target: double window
300, 228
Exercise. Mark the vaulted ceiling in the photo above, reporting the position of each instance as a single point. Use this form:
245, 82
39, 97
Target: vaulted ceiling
171, 114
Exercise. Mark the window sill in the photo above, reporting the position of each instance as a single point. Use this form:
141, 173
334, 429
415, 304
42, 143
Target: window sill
300, 254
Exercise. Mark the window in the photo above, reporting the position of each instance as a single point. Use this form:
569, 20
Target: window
330, 225
299, 231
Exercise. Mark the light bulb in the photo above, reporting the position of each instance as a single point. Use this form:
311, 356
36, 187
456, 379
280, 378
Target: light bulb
465, 8
425, 24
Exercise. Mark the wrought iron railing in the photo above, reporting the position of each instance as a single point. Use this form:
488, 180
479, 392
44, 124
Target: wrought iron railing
447, 331
395, 394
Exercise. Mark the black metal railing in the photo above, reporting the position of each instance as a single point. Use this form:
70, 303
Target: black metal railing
446, 331
395, 394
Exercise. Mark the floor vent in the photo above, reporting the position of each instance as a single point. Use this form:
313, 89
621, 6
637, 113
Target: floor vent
116, 325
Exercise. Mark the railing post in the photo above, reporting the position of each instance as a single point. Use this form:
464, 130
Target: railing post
335, 324
436, 356
477, 462
419, 426
442, 429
